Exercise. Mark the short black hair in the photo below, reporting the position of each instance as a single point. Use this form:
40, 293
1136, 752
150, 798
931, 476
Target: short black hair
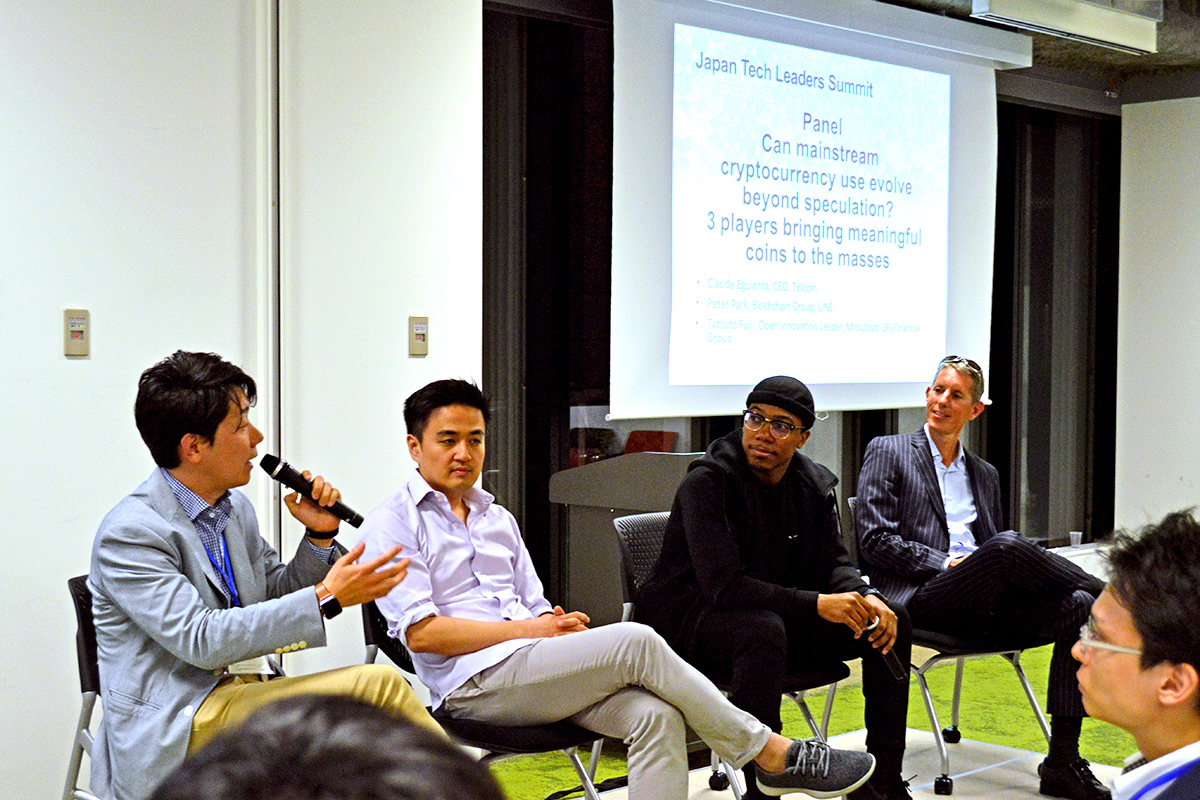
421, 404
328, 747
1155, 575
186, 393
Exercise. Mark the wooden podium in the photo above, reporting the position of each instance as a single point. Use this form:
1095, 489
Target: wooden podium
595, 494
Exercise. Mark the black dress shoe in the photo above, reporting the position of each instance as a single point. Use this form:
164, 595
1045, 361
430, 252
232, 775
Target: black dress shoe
1074, 780
881, 790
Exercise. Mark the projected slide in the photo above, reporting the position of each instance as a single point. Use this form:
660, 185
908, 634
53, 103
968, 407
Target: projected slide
809, 214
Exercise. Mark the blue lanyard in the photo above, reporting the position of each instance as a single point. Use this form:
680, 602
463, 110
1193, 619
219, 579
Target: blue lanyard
226, 570
1165, 778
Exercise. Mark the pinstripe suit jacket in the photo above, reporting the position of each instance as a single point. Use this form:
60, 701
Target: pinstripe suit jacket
901, 520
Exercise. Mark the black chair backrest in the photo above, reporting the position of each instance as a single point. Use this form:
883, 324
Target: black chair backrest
640, 539
851, 537
85, 635
375, 631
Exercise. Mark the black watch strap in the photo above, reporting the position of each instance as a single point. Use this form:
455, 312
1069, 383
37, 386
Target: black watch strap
330, 607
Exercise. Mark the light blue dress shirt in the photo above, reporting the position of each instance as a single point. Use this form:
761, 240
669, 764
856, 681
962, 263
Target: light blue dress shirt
955, 485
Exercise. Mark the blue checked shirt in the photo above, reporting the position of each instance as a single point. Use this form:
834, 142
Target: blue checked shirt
210, 522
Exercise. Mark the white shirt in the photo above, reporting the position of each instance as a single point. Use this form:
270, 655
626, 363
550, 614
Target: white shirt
479, 571
955, 483
1127, 786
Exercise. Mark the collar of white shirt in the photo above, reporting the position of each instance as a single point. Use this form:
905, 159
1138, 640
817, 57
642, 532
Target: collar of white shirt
1127, 785
959, 458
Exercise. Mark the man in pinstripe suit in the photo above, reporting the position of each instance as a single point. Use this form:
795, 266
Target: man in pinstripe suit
932, 537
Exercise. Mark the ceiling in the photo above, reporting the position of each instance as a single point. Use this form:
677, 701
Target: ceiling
1178, 44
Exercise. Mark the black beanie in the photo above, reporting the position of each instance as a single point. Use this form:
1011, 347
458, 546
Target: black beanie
786, 393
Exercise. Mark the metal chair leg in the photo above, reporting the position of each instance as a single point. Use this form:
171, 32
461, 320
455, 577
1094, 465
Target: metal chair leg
829, 697
943, 784
594, 761
1015, 659
585, 780
81, 745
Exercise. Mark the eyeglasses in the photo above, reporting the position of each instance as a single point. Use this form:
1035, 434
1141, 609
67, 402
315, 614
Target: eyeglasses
1088, 640
780, 429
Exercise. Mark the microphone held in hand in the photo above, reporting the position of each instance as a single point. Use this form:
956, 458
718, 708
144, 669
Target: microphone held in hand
899, 672
291, 478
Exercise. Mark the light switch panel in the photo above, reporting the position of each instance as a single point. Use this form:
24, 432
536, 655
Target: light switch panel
77, 334
418, 336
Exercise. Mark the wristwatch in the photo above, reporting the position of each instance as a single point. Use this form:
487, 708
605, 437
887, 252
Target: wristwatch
329, 605
870, 590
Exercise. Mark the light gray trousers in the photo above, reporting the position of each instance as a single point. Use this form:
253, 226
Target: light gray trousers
624, 681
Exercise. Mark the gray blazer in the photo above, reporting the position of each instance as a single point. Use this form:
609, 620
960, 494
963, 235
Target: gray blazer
165, 630
901, 519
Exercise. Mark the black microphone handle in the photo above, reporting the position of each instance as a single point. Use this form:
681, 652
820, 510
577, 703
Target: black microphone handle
899, 671
290, 477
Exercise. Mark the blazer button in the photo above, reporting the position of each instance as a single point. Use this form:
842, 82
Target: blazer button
188, 711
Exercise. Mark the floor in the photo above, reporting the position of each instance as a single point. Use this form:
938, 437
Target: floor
978, 770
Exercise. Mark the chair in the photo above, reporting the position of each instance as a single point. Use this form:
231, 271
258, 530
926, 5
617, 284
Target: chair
640, 538
89, 683
959, 648
497, 741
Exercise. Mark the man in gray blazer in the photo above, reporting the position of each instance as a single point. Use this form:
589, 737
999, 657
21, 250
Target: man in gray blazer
188, 598
931, 535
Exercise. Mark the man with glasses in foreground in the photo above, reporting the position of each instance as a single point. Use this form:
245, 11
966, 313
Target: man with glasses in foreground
1139, 655
754, 576
932, 537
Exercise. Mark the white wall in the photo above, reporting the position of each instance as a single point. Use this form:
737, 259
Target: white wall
1158, 330
129, 180
382, 167
122, 190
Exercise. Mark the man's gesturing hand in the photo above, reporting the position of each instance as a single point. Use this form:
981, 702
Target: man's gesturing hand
353, 583
312, 512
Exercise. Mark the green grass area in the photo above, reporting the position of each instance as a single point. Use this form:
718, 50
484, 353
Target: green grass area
994, 710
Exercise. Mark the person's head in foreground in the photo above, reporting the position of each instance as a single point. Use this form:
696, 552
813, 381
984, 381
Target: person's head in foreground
1139, 651
328, 747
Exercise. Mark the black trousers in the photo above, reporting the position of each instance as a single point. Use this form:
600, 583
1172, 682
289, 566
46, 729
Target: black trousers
750, 651
1010, 583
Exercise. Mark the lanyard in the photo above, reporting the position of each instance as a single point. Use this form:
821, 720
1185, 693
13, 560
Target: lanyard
226, 570
1165, 778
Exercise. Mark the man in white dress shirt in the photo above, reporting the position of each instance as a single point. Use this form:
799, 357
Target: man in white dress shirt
489, 646
1139, 655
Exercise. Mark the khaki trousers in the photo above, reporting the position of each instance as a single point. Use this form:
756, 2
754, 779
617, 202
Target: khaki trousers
238, 696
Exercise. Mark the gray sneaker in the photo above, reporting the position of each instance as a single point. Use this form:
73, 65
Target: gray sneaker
818, 770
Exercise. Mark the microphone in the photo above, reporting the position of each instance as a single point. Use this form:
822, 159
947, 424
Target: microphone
893, 661
890, 658
291, 478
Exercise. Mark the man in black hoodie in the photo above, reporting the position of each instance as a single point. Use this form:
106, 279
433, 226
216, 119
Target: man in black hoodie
754, 576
